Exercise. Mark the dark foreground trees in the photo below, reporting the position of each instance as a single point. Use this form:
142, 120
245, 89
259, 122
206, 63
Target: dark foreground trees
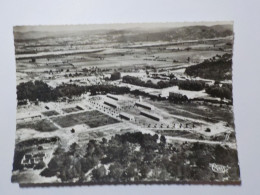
136, 156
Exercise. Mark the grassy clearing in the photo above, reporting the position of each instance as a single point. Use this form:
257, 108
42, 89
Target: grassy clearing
211, 112
40, 125
72, 109
205, 112
193, 135
91, 118
50, 113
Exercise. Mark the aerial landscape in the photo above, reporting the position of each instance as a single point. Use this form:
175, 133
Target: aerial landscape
125, 103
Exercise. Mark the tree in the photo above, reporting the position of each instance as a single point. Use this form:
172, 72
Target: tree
144, 170
99, 173
218, 69
131, 171
162, 84
40, 165
163, 139
115, 76
115, 171
33, 91
207, 130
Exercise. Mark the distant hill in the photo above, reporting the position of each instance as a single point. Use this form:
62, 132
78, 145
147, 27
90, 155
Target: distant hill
182, 33
33, 35
139, 34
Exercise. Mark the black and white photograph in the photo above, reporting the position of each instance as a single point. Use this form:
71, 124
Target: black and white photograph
125, 103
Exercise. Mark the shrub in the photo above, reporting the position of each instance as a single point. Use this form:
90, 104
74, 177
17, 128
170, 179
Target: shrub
40, 165
208, 130
115, 76
99, 173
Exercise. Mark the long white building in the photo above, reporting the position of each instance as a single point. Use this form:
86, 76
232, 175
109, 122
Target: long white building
126, 116
144, 105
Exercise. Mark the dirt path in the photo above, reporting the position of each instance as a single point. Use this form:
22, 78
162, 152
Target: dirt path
231, 145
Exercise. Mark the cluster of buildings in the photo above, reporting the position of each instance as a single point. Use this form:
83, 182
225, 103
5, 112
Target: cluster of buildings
123, 115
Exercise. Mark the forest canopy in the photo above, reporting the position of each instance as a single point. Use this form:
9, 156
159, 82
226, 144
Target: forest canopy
192, 85
217, 68
140, 157
38, 90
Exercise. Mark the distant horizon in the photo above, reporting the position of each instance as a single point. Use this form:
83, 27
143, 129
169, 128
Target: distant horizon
114, 26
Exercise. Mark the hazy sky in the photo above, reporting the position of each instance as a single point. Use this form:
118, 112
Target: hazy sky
144, 26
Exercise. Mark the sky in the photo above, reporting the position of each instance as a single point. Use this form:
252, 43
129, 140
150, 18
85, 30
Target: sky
144, 26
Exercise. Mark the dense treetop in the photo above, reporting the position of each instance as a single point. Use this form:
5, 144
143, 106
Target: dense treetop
217, 68
140, 157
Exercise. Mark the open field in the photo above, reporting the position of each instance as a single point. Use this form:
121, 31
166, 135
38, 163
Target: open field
43, 125
90, 118
210, 113
126, 61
